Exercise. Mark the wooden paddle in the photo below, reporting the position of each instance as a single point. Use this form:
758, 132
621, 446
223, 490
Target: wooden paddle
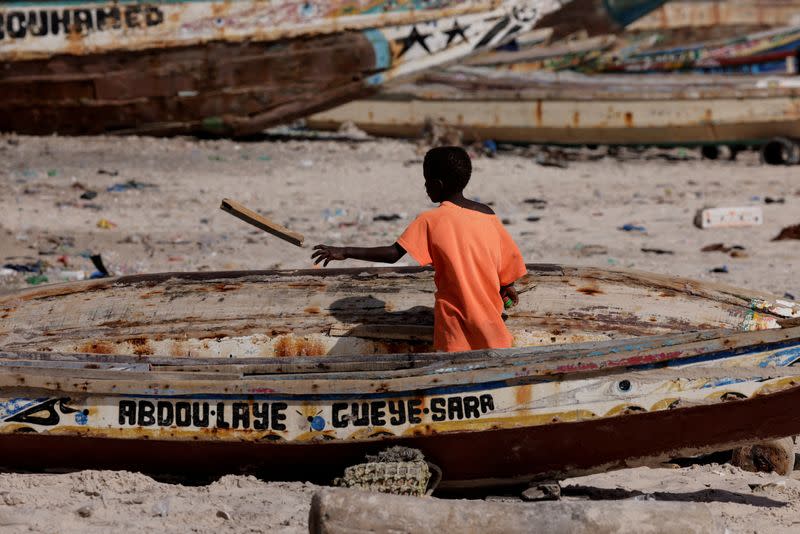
251, 217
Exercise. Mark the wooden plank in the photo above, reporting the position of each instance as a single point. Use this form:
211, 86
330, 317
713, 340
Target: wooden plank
251, 217
343, 511
383, 331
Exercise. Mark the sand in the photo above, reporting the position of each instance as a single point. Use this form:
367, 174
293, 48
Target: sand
331, 191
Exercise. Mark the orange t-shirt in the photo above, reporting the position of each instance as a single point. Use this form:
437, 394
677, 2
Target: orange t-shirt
473, 255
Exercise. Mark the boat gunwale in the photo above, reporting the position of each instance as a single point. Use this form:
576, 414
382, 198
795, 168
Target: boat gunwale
495, 373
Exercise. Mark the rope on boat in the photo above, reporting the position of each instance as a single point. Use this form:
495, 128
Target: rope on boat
397, 470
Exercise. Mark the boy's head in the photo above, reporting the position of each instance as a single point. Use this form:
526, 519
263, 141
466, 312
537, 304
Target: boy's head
447, 170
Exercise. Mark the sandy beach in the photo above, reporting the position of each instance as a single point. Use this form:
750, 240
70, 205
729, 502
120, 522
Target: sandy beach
152, 205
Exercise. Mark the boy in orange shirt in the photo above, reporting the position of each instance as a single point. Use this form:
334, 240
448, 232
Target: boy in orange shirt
476, 261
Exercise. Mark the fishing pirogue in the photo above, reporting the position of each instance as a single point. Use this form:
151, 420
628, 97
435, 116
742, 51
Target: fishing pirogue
296, 374
568, 108
227, 67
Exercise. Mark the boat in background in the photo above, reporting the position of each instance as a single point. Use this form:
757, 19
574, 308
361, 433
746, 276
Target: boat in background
297, 374
713, 15
772, 51
551, 57
568, 108
233, 68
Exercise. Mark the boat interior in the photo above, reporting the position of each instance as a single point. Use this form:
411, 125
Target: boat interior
354, 312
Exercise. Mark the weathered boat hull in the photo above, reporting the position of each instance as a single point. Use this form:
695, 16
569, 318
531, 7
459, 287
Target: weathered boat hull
233, 68
719, 13
469, 459
745, 51
575, 110
503, 424
200, 390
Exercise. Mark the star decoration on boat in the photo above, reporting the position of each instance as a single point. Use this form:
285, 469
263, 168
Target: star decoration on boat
413, 38
456, 30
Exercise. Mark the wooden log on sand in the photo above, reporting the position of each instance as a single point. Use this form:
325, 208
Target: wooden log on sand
346, 511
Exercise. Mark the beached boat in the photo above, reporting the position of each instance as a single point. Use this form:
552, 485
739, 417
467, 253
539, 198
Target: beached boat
770, 51
714, 14
573, 109
551, 57
234, 68
296, 374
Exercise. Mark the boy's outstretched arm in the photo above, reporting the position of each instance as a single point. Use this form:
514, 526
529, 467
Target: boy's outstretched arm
389, 254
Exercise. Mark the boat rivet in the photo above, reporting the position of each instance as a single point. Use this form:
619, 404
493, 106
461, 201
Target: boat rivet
624, 385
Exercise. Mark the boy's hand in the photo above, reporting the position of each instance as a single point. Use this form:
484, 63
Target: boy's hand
327, 254
509, 292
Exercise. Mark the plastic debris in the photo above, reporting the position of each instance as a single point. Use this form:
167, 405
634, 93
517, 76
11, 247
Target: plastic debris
632, 228
32, 267
264, 158
70, 276
333, 216
770, 200
490, 147
729, 217
97, 261
723, 269
657, 251
548, 158
89, 195
129, 185
789, 296
52, 172
350, 130
160, 508
306, 163
7, 272
532, 219
591, 250
720, 247
36, 279
790, 232
537, 203
390, 217
109, 173
105, 224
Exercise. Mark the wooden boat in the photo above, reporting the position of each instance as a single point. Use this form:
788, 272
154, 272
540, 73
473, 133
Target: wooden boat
573, 109
715, 14
761, 52
551, 57
233, 68
295, 374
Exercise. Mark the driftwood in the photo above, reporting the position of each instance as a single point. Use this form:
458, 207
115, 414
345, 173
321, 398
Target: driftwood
343, 511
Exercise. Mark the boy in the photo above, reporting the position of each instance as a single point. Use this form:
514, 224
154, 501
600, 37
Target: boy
475, 259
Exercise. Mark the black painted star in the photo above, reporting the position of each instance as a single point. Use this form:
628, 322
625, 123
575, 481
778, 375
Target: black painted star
413, 38
455, 31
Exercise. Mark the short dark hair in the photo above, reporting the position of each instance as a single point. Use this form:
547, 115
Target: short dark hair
450, 164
